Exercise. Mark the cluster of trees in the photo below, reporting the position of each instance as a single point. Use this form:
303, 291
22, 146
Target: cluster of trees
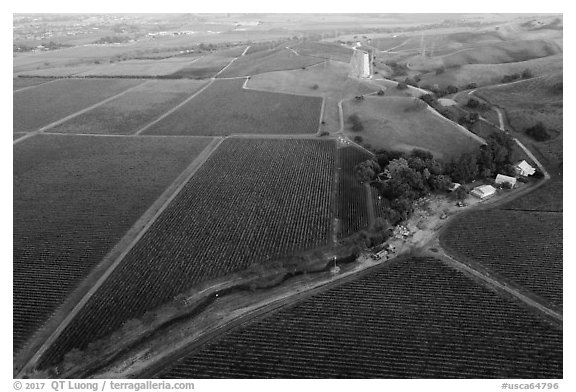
538, 132
496, 156
474, 103
416, 174
526, 74
356, 123
397, 68
410, 176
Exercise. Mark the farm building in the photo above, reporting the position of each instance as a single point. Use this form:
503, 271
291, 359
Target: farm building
483, 191
523, 168
501, 179
454, 186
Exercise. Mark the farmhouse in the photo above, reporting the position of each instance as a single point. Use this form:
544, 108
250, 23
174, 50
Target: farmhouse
501, 179
523, 168
483, 191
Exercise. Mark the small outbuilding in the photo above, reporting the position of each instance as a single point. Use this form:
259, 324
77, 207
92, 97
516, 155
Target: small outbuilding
454, 186
483, 191
501, 179
523, 168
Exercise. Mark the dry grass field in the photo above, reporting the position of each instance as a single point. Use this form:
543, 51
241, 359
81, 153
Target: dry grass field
494, 53
398, 123
74, 199
226, 108
131, 111
486, 74
528, 102
42, 105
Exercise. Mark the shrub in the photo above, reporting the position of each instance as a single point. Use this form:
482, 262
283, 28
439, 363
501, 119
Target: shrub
358, 139
315, 87
440, 70
471, 86
411, 82
538, 132
557, 88
527, 74
324, 133
380, 92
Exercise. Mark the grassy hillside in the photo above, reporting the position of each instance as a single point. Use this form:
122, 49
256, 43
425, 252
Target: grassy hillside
486, 74
493, 53
400, 123
528, 102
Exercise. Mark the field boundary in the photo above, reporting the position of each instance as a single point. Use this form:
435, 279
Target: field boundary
71, 116
114, 258
33, 86
169, 112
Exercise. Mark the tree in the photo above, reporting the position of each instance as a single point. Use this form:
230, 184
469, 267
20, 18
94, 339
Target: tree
428, 98
367, 170
538, 132
358, 139
439, 182
473, 103
460, 193
401, 86
440, 70
357, 125
451, 89
465, 169
471, 86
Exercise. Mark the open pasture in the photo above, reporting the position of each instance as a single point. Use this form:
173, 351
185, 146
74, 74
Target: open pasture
252, 201
329, 80
495, 53
411, 318
226, 108
486, 74
528, 102
398, 123
523, 247
74, 199
45, 104
133, 110
267, 61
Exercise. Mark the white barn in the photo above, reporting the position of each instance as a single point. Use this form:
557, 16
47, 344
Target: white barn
523, 168
483, 191
501, 179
